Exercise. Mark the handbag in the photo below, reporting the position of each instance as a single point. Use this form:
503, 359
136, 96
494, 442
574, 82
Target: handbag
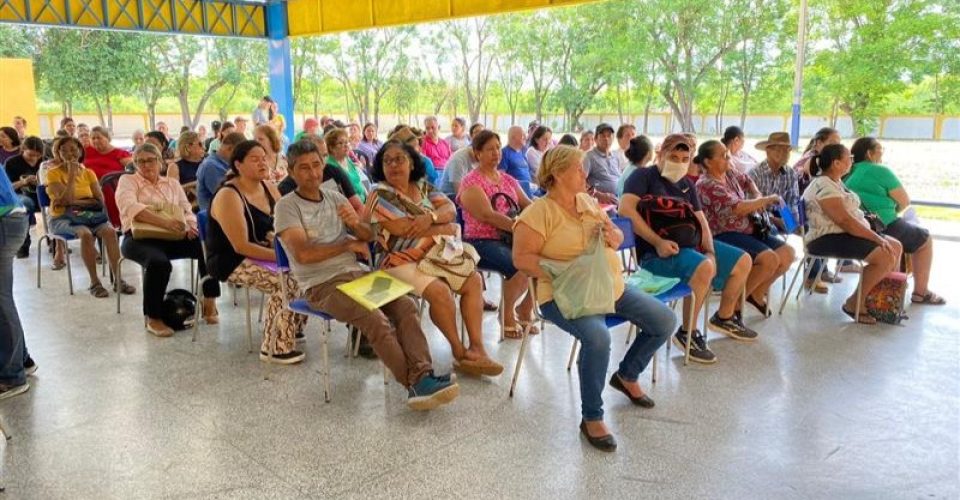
513, 210
454, 269
144, 231
762, 227
876, 225
89, 216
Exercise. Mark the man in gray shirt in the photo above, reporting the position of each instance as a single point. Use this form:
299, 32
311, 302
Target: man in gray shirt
323, 236
602, 166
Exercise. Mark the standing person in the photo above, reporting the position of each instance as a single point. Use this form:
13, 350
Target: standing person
23, 173
458, 137
261, 114
625, 133
513, 162
733, 140
603, 167
9, 144
883, 194
537, 145
433, 146
241, 231
101, 157
15, 362
561, 226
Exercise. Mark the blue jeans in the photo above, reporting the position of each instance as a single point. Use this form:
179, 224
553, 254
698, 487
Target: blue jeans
13, 350
656, 322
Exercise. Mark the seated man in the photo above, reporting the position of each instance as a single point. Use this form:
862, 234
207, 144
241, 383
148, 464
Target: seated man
602, 166
460, 164
324, 235
774, 177
712, 262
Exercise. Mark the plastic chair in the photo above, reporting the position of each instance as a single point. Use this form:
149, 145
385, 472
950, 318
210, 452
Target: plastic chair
810, 257
44, 200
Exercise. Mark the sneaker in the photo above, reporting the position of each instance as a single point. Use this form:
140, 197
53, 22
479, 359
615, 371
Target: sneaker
431, 392
287, 358
732, 327
699, 351
9, 391
30, 366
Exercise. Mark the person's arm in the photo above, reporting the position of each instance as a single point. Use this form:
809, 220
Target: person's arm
173, 171
527, 245
476, 203
227, 209
628, 209
295, 241
706, 236
900, 197
612, 235
125, 159
834, 209
745, 207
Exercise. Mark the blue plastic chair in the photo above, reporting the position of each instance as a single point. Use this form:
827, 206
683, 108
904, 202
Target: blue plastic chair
44, 200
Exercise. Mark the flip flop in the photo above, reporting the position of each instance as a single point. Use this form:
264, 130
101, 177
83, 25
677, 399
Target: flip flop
865, 318
928, 298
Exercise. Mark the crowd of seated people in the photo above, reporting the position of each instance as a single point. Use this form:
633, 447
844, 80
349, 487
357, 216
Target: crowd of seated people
337, 193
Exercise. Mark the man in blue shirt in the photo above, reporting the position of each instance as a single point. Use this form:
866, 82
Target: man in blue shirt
214, 168
513, 160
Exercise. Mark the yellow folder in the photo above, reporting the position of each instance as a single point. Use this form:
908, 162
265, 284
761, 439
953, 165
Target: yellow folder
375, 289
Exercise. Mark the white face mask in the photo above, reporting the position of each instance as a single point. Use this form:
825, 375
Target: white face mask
673, 171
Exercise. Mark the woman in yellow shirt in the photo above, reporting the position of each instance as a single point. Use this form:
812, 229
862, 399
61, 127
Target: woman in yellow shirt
561, 226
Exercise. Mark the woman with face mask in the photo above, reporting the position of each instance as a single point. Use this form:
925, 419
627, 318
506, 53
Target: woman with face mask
732, 203
710, 265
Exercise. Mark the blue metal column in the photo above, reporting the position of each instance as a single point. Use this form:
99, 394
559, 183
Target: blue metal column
280, 63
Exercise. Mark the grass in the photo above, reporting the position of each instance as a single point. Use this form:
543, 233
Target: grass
938, 213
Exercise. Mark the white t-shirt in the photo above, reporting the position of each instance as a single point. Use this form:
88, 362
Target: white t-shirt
823, 188
534, 158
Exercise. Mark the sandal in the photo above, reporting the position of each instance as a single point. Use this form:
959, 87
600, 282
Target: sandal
58, 266
532, 324
512, 332
98, 291
928, 298
764, 310
865, 318
478, 367
126, 288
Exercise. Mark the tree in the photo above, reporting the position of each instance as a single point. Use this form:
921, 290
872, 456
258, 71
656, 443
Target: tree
153, 73
473, 39
524, 38
60, 64
227, 62
871, 46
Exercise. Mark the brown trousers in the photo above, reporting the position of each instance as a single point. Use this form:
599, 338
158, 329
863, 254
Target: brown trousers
393, 330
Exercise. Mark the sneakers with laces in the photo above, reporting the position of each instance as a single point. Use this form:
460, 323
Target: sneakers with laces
732, 327
432, 392
699, 351
9, 391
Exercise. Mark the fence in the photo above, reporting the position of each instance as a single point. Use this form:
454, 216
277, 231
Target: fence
917, 127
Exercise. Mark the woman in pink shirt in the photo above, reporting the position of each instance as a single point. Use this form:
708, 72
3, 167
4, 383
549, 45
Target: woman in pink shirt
484, 195
136, 194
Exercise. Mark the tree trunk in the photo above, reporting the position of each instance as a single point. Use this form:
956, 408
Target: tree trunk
183, 97
99, 111
620, 103
646, 113
109, 113
743, 108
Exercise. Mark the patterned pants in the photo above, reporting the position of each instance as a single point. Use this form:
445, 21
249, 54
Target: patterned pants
286, 323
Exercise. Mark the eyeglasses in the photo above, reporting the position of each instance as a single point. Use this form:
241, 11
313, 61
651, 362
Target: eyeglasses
395, 160
146, 161
341, 143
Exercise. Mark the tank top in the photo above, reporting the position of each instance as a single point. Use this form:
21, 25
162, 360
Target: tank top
222, 258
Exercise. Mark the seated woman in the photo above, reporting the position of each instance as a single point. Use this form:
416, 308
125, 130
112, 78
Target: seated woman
408, 212
638, 153
482, 219
162, 143
723, 194
883, 194
338, 147
101, 157
77, 209
23, 172
191, 153
560, 226
414, 138
137, 193
838, 227
240, 233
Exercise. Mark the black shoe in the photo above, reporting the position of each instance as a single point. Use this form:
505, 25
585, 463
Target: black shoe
732, 327
30, 366
699, 351
602, 443
617, 383
287, 358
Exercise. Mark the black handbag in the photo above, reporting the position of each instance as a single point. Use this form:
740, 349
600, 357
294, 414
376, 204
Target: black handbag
762, 227
89, 216
513, 210
876, 225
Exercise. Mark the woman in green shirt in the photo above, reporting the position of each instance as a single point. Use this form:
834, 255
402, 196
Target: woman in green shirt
881, 192
338, 145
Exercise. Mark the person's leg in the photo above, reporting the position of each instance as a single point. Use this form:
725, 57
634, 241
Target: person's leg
416, 350
277, 318
443, 313
108, 235
764, 265
879, 263
88, 252
922, 262
210, 288
12, 347
496, 256
655, 321
734, 285
592, 362
156, 272
784, 258
690, 267
471, 307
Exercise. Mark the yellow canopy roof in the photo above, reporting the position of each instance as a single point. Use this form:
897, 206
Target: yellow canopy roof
318, 17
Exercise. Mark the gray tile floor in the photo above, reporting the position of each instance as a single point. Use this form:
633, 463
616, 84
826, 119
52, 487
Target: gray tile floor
817, 408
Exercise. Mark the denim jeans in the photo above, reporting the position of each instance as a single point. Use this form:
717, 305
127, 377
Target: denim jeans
656, 322
13, 350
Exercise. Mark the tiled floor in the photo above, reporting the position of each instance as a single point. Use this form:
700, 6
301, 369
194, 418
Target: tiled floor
817, 408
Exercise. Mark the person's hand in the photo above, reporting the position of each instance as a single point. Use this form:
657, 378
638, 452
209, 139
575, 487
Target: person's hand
270, 237
887, 246
419, 225
771, 200
348, 215
192, 233
176, 226
605, 198
360, 248
32, 180
667, 248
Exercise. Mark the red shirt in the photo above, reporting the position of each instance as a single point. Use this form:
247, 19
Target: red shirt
104, 163
438, 151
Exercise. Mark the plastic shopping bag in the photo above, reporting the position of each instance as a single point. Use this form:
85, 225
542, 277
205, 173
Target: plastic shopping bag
583, 286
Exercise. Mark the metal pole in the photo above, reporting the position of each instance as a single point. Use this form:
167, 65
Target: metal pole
798, 74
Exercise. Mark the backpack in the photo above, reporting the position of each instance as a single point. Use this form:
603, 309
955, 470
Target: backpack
672, 218
885, 301
179, 309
